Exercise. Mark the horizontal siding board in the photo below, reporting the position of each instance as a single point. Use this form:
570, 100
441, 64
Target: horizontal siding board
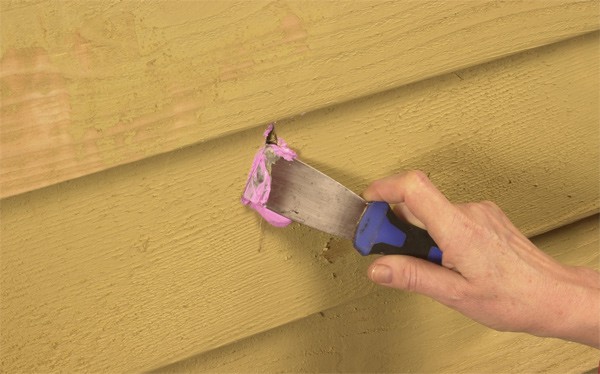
395, 332
91, 85
155, 261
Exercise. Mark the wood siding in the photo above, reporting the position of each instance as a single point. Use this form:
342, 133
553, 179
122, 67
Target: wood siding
136, 265
90, 85
390, 331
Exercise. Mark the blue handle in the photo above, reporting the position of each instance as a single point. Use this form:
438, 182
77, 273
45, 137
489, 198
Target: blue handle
381, 232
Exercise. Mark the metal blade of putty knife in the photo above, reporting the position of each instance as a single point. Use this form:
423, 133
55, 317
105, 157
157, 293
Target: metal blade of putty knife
306, 195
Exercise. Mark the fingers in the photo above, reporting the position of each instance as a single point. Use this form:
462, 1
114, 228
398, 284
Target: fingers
416, 275
403, 212
425, 202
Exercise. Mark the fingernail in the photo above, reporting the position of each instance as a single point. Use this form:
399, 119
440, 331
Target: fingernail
381, 274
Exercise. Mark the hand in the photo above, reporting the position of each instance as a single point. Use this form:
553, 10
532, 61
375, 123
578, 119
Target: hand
491, 272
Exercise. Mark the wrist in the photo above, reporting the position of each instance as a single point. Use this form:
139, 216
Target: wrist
574, 309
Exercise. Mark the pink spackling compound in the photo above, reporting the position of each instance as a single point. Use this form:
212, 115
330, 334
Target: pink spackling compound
258, 186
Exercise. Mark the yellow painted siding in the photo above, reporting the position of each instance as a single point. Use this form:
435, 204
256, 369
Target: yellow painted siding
88, 85
148, 263
134, 266
391, 331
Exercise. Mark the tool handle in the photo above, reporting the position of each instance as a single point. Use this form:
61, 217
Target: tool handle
381, 232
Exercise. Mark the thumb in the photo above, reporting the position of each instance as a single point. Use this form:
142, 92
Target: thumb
417, 275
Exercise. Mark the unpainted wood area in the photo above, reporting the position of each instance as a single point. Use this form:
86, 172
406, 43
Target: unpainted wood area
88, 85
142, 265
393, 331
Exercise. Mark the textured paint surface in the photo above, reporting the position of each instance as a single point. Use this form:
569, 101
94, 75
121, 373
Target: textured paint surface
87, 85
258, 186
143, 265
391, 331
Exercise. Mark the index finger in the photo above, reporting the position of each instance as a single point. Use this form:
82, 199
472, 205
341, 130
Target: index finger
420, 196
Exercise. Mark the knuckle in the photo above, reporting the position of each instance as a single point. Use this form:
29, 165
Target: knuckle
471, 208
417, 178
410, 277
417, 181
496, 217
457, 295
491, 206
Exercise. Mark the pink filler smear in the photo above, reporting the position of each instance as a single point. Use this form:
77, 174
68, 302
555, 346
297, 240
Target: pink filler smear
258, 186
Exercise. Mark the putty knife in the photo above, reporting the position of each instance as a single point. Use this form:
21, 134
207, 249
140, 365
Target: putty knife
306, 195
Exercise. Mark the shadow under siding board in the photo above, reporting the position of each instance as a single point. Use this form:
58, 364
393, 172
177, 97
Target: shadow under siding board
91, 85
148, 263
394, 331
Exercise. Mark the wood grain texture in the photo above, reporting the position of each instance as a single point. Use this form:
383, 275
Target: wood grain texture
90, 85
145, 264
395, 332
